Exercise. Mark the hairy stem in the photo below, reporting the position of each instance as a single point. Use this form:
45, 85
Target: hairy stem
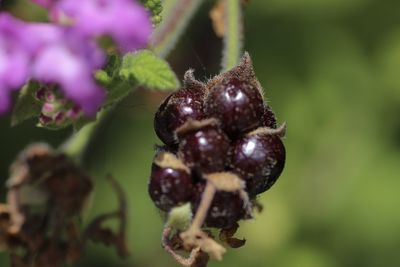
78, 142
233, 36
176, 16
76, 145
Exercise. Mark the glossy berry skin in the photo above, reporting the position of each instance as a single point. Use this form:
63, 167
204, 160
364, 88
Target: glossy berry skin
259, 159
237, 105
169, 187
205, 149
176, 110
225, 210
269, 119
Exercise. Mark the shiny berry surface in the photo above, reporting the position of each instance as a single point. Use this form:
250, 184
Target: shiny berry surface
225, 210
176, 110
259, 159
238, 105
169, 187
205, 150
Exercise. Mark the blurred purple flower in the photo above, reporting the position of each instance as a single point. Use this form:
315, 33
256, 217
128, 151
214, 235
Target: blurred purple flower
68, 60
126, 21
52, 54
67, 55
14, 59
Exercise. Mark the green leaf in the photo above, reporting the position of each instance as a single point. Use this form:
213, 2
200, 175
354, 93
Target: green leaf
146, 69
27, 105
114, 62
102, 77
118, 90
109, 78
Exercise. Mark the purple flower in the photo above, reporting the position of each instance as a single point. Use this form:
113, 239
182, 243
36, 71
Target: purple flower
14, 59
126, 21
66, 54
68, 60
51, 54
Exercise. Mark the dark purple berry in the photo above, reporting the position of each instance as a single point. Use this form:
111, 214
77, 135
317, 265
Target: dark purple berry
269, 119
170, 182
204, 149
180, 106
258, 158
226, 208
238, 105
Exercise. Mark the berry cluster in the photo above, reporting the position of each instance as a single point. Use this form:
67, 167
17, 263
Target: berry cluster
221, 132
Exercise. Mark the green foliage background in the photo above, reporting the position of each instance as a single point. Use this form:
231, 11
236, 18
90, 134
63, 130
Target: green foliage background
331, 69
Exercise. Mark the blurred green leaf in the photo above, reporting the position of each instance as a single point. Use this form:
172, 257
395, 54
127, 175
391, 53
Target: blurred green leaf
82, 121
27, 106
117, 90
145, 68
109, 78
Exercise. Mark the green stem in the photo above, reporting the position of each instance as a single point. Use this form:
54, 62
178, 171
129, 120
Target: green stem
176, 15
78, 142
233, 34
76, 145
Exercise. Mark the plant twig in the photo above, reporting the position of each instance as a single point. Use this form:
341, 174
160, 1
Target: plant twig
187, 262
78, 142
207, 198
194, 236
176, 15
95, 232
233, 36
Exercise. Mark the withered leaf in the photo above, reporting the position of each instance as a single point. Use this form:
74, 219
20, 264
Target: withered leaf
226, 235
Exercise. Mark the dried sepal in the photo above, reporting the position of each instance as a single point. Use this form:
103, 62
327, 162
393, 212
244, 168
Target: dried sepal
196, 258
169, 160
194, 238
247, 205
190, 82
193, 125
226, 235
229, 182
257, 205
244, 71
226, 181
280, 131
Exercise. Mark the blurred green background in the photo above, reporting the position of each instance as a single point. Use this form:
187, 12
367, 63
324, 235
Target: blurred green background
331, 70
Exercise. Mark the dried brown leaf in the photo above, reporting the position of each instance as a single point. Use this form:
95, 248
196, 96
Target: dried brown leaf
226, 235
